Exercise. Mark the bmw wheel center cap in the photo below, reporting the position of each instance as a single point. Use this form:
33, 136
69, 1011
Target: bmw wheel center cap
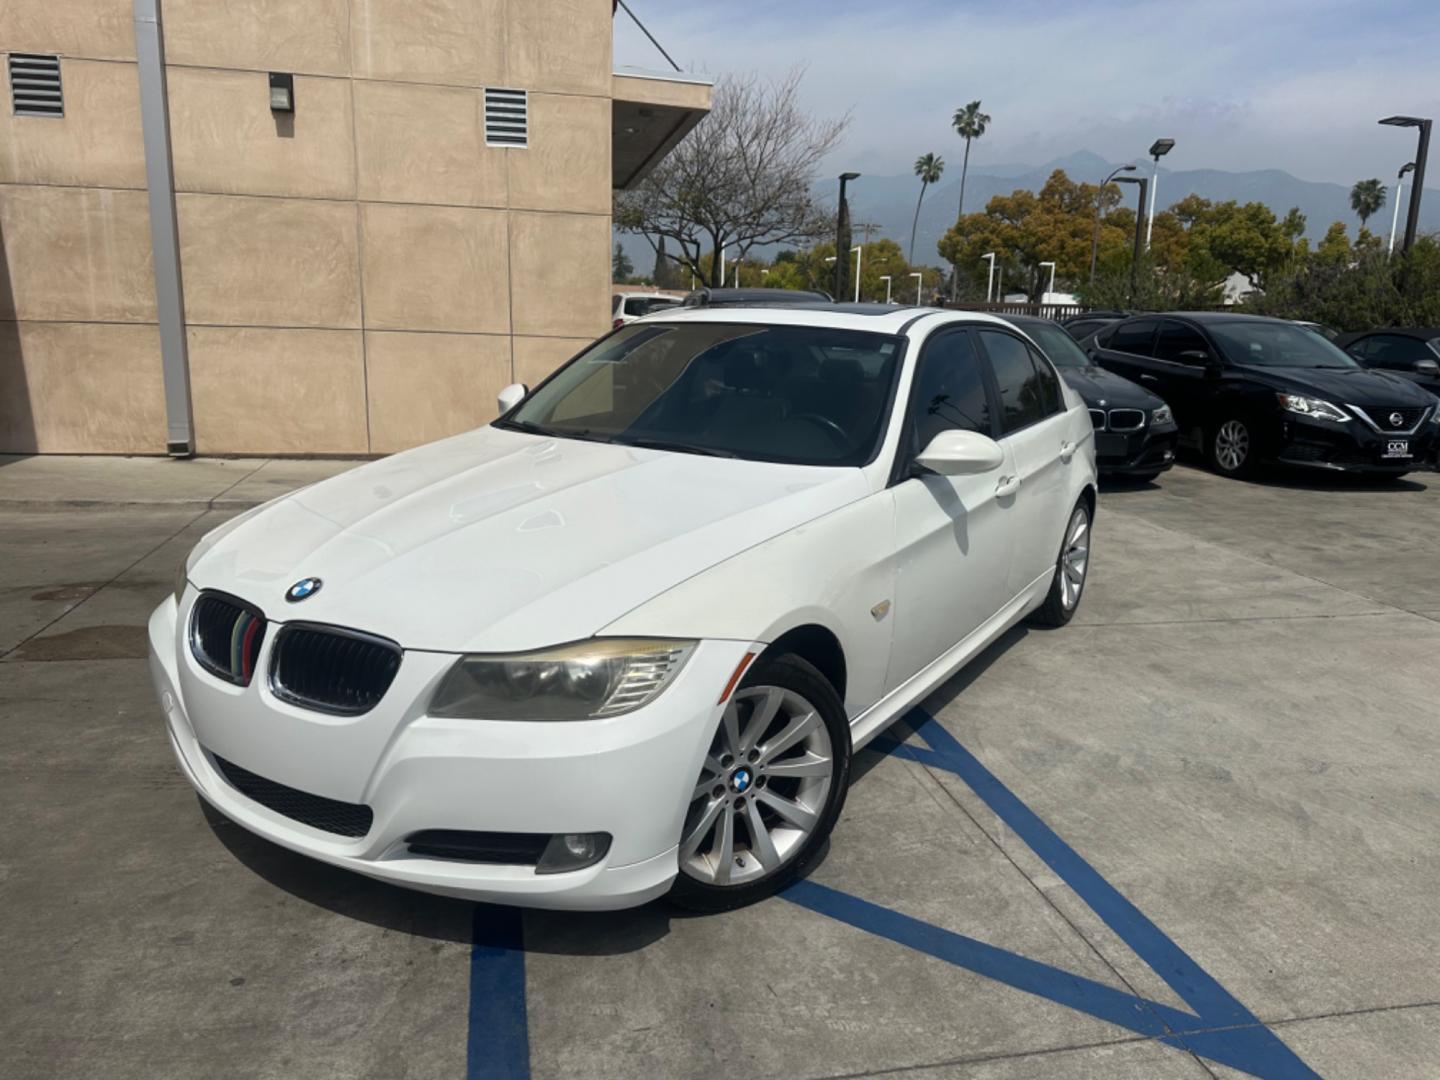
740, 781
303, 589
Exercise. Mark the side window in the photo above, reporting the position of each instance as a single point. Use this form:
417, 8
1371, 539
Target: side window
1050, 397
949, 390
1361, 348
1176, 338
1395, 352
1132, 337
1022, 398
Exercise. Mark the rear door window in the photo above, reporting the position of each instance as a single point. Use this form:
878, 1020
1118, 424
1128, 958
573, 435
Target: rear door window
1132, 337
1176, 338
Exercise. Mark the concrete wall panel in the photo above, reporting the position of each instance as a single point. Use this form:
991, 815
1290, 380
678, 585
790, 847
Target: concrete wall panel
537, 357
458, 42
425, 144
269, 262
556, 274
309, 36
567, 165
75, 254
81, 388
435, 268
95, 144
560, 46
424, 387
103, 29
225, 138
262, 391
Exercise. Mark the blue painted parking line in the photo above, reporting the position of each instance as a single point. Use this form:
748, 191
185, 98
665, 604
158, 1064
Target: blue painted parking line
498, 1046
1220, 1029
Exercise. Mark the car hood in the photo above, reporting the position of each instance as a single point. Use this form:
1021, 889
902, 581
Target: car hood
1095, 385
1344, 386
501, 541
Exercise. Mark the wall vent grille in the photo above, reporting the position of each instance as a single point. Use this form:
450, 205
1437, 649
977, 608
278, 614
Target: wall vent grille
35, 85
506, 117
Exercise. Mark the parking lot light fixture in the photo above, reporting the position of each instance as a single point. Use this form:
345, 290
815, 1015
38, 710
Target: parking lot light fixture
1158, 149
1412, 216
1099, 205
990, 280
1051, 290
886, 279
919, 284
842, 232
1139, 219
1409, 166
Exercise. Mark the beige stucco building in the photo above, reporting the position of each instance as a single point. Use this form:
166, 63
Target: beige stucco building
356, 276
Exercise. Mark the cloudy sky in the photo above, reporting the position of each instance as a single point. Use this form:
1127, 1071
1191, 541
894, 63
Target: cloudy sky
1239, 84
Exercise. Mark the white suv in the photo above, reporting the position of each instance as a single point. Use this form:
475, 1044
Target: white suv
629, 306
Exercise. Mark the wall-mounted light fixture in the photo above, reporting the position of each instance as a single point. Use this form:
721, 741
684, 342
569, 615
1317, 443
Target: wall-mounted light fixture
282, 92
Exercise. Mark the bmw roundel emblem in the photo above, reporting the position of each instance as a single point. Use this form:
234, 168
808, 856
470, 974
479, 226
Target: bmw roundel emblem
741, 780
303, 589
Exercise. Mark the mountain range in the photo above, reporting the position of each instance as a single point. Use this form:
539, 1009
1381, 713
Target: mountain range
889, 201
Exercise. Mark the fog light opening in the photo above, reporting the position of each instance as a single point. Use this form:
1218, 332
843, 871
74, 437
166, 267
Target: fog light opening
573, 851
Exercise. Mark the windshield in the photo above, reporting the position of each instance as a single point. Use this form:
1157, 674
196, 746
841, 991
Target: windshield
1264, 344
796, 394
1057, 344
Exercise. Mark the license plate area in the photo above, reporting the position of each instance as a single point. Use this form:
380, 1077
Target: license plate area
1396, 448
1108, 444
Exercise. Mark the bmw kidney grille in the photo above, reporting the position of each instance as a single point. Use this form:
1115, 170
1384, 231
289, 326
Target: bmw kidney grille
225, 635
331, 669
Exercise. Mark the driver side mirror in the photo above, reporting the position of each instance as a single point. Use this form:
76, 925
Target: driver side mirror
1428, 368
511, 396
1201, 358
961, 453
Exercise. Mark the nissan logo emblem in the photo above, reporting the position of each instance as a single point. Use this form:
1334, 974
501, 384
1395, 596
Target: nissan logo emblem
1396, 419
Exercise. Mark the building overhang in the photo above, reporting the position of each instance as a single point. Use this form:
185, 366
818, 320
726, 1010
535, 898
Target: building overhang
650, 113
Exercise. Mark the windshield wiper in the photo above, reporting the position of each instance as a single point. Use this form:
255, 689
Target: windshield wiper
680, 447
532, 428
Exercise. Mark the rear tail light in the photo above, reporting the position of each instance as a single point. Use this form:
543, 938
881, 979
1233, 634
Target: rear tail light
617, 324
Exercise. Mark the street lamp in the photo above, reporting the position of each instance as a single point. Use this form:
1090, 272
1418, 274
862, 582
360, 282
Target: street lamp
919, 283
842, 232
1099, 204
886, 279
1139, 210
859, 252
1412, 216
1051, 265
990, 279
1409, 166
1158, 149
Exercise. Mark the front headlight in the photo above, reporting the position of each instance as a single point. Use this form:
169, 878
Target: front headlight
1162, 415
587, 680
1312, 407
181, 577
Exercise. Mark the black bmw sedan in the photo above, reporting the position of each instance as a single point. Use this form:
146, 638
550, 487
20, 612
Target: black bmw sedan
1135, 434
1249, 390
1412, 353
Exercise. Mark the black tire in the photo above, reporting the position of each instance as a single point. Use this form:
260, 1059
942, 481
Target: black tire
1055, 612
791, 673
1226, 432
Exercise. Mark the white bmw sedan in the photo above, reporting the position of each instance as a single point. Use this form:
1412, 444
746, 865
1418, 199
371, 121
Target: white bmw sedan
624, 640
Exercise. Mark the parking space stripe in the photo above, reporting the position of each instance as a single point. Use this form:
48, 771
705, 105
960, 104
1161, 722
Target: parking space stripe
498, 1044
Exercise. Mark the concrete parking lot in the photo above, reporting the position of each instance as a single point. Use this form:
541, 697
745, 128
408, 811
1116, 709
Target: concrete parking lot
1193, 833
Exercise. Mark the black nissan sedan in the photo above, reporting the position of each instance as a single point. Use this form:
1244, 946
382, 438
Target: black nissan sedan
1135, 434
1249, 390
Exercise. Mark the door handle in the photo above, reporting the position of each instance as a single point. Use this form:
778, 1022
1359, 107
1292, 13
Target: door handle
1008, 485
1149, 378
1067, 451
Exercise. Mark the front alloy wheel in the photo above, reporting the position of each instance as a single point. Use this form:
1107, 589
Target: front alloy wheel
1231, 448
769, 790
1073, 563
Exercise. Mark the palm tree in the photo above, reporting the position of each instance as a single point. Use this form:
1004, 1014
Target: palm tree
1367, 197
928, 168
969, 123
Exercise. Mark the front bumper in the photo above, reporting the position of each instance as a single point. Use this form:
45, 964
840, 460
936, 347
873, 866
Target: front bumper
1148, 450
630, 776
1353, 447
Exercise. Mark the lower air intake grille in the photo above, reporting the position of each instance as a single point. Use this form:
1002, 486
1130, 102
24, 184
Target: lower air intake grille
511, 849
332, 670
225, 635
328, 815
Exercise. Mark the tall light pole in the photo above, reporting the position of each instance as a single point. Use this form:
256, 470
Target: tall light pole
859, 252
842, 234
1409, 166
1051, 265
1099, 205
886, 279
990, 279
919, 284
1158, 149
1139, 213
1412, 216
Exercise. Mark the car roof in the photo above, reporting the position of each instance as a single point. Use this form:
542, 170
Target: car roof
1421, 333
724, 297
875, 318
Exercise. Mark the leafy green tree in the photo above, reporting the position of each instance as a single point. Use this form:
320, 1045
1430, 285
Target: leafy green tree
970, 124
1334, 245
1356, 288
928, 168
1367, 197
621, 268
